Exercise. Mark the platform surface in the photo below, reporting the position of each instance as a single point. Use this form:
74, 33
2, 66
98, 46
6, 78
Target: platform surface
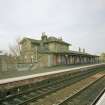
14, 73
49, 71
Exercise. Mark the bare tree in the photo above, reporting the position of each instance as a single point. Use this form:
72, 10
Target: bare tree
16, 48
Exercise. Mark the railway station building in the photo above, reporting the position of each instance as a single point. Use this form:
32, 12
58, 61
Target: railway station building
52, 51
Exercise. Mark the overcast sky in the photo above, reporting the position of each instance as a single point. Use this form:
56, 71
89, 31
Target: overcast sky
80, 22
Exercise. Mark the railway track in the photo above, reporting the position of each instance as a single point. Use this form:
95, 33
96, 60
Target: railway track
30, 95
87, 96
98, 97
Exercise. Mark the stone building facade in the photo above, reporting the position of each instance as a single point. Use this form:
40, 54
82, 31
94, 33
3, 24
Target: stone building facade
51, 51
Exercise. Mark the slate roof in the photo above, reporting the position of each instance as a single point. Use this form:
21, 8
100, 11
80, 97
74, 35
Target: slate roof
49, 40
54, 39
32, 40
81, 53
69, 53
57, 41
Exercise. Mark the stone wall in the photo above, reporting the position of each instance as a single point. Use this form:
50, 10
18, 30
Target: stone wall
57, 47
7, 63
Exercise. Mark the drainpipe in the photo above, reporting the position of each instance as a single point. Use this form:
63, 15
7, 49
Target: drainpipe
36, 54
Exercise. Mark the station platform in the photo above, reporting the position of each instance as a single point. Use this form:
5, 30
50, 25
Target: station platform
14, 73
18, 78
21, 75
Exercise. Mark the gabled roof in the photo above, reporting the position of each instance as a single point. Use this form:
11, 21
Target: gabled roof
57, 41
32, 40
54, 39
49, 40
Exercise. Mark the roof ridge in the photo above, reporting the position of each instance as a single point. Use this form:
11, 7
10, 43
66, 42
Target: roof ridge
31, 38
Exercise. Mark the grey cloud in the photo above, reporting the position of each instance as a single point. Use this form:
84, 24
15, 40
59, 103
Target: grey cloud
80, 22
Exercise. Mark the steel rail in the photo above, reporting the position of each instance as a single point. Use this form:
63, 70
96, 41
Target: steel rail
44, 91
98, 97
68, 99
